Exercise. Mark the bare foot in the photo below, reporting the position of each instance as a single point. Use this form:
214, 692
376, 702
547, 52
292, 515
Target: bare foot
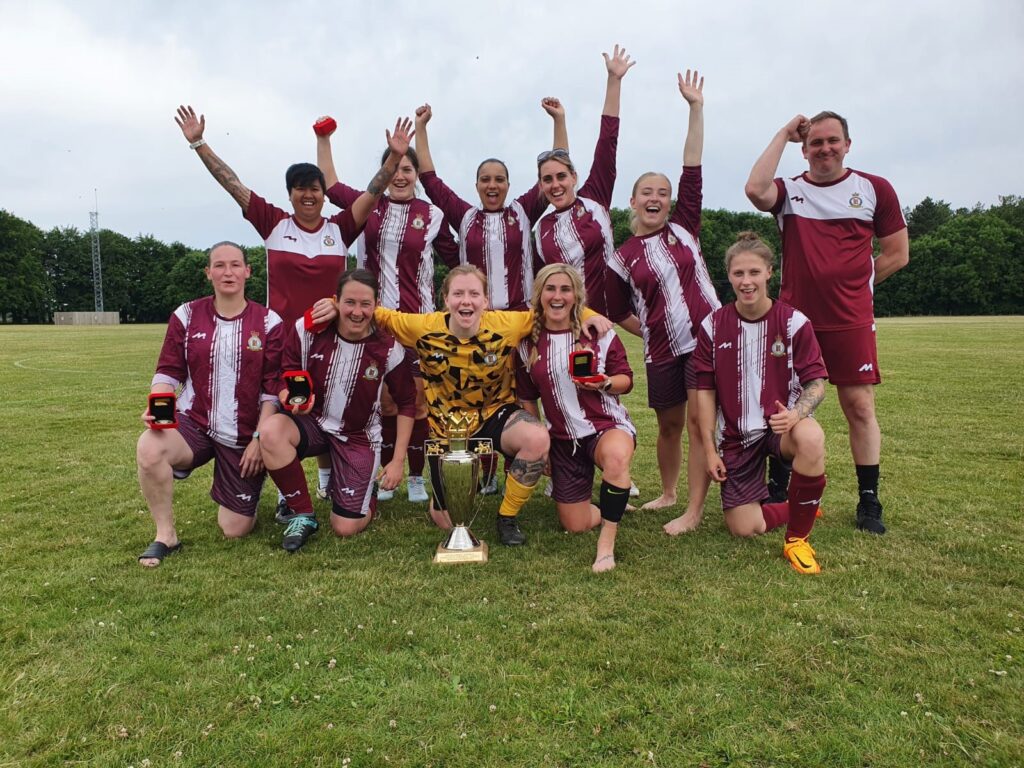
660, 503
603, 563
683, 524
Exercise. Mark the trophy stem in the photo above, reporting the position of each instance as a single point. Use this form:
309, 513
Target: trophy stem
461, 539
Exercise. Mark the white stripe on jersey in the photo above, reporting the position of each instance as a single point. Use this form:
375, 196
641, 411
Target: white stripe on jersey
389, 241
677, 317
341, 379
225, 363
751, 359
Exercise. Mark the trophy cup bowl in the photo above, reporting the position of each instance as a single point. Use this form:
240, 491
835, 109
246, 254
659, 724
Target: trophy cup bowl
458, 469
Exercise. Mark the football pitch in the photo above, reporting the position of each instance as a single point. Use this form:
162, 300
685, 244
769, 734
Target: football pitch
697, 651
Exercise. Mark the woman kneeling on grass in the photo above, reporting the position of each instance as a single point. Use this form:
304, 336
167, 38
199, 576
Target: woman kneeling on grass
760, 375
588, 425
465, 360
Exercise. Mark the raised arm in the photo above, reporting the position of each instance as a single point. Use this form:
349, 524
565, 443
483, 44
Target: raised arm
398, 142
423, 115
692, 89
618, 64
192, 128
760, 188
554, 107
325, 157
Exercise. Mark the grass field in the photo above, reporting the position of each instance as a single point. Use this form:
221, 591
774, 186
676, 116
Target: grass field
697, 651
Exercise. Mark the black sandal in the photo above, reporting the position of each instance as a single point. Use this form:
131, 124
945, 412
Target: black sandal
158, 551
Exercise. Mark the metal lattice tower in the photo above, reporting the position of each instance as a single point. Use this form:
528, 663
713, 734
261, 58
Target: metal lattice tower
97, 270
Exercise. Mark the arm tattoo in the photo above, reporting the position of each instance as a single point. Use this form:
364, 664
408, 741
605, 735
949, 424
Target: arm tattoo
810, 398
380, 180
226, 177
527, 472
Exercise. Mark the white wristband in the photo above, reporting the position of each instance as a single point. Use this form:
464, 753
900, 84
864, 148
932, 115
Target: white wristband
196, 144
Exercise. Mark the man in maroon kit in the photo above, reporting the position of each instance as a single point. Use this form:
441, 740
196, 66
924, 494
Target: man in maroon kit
828, 217
224, 354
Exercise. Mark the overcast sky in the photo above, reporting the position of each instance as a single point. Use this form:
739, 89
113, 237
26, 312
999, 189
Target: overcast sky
88, 91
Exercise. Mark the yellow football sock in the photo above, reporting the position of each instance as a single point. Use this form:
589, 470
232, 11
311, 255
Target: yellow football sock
516, 494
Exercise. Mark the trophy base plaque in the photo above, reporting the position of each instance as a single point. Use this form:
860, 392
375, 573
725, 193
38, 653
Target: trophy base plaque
477, 554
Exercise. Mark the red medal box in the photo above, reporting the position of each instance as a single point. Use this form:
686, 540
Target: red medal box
300, 389
581, 367
325, 127
162, 407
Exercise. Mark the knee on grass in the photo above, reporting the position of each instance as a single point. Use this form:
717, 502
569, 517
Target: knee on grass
234, 525
746, 521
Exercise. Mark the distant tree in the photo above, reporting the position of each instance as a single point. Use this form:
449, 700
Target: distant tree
67, 258
927, 216
25, 288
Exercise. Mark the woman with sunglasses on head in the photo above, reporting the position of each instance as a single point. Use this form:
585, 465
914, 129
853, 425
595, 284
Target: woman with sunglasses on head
588, 425
661, 273
493, 237
579, 230
398, 244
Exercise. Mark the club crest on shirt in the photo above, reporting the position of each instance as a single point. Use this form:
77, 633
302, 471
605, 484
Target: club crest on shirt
417, 223
511, 219
372, 373
328, 241
490, 358
778, 348
580, 210
255, 343
672, 239
855, 201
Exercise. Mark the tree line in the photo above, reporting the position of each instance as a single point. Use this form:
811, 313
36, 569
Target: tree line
965, 261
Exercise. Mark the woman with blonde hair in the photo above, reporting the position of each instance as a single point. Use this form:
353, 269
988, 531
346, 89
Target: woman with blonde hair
588, 424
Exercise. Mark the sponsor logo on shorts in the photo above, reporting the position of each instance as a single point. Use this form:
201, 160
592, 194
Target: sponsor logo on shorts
244, 496
855, 200
292, 495
255, 343
815, 502
866, 368
348, 491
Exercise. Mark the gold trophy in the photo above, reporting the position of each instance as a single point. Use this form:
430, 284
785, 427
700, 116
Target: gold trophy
455, 467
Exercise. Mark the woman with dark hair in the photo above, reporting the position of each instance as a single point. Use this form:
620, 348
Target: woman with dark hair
348, 369
760, 376
588, 425
398, 244
661, 274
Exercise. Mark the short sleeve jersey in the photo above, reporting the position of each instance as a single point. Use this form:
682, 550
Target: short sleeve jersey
582, 235
750, 365
225, 366
347, 378
663, 276
573, 413
828, 269
474, 375
302, 265
398, 245
495, 242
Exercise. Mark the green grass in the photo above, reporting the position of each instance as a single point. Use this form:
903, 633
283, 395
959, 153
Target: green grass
701, 650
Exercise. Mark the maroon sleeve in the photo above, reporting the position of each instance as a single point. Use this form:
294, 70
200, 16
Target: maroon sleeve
703, 357
272, 352
171, 362
807, 360
262, 215
342, 195
780, 197
453, 206
888, 214
446, 246
347, 224
601, 182
526, 388
401, 385
691, 197
534, 203
617, 363
617, 296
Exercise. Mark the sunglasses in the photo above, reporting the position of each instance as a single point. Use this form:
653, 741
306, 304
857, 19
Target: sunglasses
554, 153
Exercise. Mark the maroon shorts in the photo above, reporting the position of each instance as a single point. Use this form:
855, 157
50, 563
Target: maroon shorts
667, 382
744, 470
850, 356
354, 466
572, 468
232, 491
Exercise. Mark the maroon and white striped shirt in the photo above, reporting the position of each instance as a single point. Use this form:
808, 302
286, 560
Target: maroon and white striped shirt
750, 365
495, 242
664, 277
347, 378
581, 235
573, 413
226, 366
397, 246
302, 265
828, 269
